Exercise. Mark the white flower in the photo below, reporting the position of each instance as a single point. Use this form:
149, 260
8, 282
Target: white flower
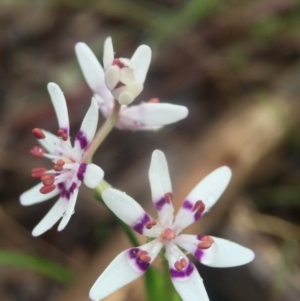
122, 79
69, 168
166, 232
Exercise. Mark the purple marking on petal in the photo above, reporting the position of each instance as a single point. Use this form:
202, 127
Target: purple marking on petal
143, 266
183, 273
159, 204
82, 139
197, 215
81, 171
140, 226
66, 193
187, 205
66, 130
200, 236
198, 254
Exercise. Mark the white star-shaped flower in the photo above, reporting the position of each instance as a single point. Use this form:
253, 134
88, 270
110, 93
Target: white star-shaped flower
122, 79
69, 168
165, 232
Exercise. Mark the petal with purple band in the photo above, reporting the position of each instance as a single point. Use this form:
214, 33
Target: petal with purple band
124, 269
55, 213
108, 53
187, 281
160, 186
60, 106
33, 195
208, 191
92, 175
141, 61
128, 210
88, 127
69, 211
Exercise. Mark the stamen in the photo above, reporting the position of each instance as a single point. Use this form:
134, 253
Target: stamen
150, 224
118, 63
178, 266
62, 134
143, 256
168, 234
38, 172
38, 133
153, 100
37, 151
169, 197
48, 179
199, 207
205, 242
59, 165
47, 189
183, 262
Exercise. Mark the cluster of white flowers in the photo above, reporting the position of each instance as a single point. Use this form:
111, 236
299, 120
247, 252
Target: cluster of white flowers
116, 85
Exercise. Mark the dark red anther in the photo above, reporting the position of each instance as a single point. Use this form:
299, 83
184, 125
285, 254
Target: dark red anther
118, 63
153, 100
38, 172
183, 262
48, 179
37, 151
178, 266
199, 207
59, 165
150, 224
62, 134
169, 197
47, 189
143, 256
205, 242
38, 133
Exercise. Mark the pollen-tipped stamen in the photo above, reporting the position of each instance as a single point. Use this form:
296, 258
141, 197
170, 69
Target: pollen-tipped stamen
62, 134
47, 189
153, 100
48, 179
143, 256
180, 264
38, 151
38, 133
169, 197
150, 224
38, 172
59, 165
205, 242
199, 207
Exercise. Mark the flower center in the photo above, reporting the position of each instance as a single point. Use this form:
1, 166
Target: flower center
168, 234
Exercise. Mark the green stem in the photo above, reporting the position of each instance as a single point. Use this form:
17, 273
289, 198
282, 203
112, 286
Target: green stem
102, 133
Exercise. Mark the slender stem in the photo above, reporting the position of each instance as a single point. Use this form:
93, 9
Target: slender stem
102, 133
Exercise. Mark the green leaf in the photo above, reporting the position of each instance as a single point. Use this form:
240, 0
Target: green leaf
37, 264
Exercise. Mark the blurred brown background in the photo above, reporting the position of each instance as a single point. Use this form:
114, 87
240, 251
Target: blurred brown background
235, 64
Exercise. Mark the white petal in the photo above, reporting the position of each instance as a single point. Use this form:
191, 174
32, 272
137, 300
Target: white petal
128, 210
125, 98
91, 69
187, 282
208, 191
105, 105
125, 268
134, 89
108, 53
91, 176
60, 106
69, 210
160, 186
50, 142
88, 127
33, 195
112, 76
55, 213
154, 114
141, 60
127, 76
230, 254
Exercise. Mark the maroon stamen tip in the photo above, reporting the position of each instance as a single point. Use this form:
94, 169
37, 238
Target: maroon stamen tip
169, 197
199, 207
38, 172
37, 151
47, 189
60, 162
118, 63
57, 167
48, 179
153, 100
150, 224
61, 133
38, 133
183, 262
178, 266
143, 256
205, 242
